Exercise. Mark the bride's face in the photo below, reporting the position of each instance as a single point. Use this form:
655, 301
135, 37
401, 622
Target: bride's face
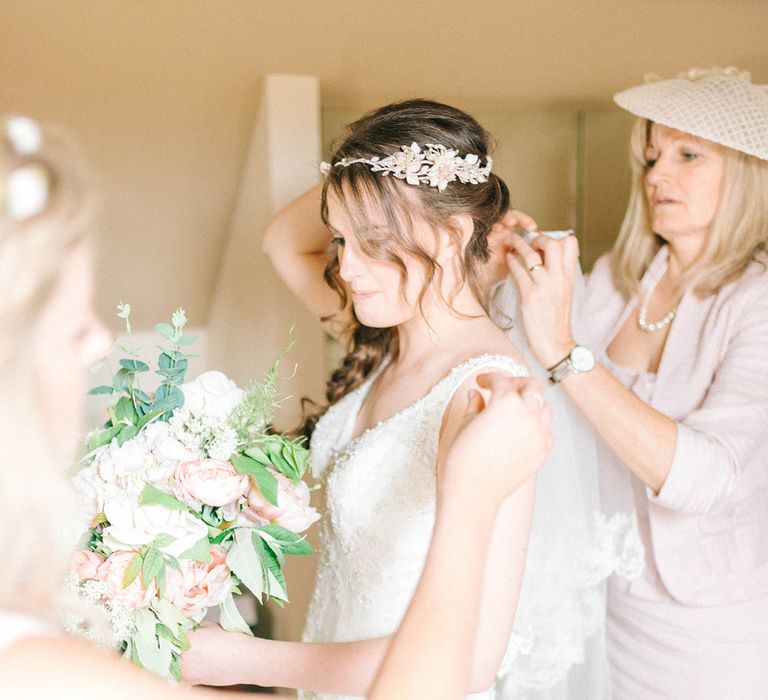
381, 296
69, 338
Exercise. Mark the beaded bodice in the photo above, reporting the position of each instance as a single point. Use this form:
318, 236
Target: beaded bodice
381, 491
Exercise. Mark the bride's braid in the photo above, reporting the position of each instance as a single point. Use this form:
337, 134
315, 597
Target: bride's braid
382, 133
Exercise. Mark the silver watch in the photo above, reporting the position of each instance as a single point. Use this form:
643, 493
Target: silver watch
580, 359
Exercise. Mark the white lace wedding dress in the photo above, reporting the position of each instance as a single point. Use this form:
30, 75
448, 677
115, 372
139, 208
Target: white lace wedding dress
381, 491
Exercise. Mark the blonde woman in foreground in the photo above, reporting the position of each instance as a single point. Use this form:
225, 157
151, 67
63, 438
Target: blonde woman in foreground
50, 334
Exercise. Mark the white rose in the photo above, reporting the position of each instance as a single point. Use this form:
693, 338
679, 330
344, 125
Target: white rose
132, 526
212, 393
164, 446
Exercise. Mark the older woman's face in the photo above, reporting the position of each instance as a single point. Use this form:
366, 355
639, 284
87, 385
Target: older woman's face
69, 338
683, 181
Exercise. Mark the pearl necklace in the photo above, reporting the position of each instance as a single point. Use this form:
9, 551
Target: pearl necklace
642, 317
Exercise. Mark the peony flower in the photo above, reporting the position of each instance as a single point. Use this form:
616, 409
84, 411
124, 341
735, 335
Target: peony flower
212, 393
85, 564
132, 526
210, 481
292, 511
112, 572
199, 585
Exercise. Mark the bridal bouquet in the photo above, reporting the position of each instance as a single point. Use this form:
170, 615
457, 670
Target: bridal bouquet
188, 497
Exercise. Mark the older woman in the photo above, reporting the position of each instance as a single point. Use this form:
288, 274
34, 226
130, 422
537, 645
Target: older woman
672, 374
49, 335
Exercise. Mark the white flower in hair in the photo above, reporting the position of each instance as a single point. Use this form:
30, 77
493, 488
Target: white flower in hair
26, 191
24, 135
434, 165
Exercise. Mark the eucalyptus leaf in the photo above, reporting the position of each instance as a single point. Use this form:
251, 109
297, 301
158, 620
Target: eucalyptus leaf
101, 390
134, 365
165, 330
186, 339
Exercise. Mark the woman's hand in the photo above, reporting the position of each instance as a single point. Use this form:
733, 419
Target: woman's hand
500, 245
545, 273
505, 438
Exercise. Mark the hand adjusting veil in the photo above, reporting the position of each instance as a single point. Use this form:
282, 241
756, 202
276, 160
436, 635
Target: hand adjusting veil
584, 530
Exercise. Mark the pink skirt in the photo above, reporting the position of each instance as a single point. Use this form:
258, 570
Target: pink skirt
662, 649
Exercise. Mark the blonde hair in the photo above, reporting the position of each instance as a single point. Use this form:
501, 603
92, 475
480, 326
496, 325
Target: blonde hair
36, 514
739, 232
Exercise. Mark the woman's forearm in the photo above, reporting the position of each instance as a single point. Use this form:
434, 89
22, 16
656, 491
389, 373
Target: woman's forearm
642, 437
342, 668
431, 654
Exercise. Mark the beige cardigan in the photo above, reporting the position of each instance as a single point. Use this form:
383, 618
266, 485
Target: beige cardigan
709, 522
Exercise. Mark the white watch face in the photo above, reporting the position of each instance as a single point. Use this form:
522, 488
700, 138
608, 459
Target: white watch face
582, 359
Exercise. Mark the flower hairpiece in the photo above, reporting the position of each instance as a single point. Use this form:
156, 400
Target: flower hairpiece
25, 190
434, 165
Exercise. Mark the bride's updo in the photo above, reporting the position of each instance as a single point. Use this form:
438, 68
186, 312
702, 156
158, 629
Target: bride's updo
381, 133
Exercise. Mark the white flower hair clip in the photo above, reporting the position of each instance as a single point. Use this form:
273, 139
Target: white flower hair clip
434, 165
24, 193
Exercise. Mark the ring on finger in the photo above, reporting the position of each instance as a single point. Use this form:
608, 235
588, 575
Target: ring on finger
537, 266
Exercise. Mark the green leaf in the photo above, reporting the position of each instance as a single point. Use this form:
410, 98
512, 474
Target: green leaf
200, 551
266, 482
101, 390
289, 541
151, 495
257, 454
244, 560
153, 652
132, 570
149, 417
169, 397
275, 580
134, 365
175, 667
231, 619
163, 540
124, 412
122, 379
153, 563
103, 437
128, 432
165, 330
160, 578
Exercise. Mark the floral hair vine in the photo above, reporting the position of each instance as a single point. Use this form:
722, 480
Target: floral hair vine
434, 165
24, 191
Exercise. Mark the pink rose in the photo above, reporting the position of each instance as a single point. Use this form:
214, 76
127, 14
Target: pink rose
199, 585
112, 572
292, 511
210, 481
85, 564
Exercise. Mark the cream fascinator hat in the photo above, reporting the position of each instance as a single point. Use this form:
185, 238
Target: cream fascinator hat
720, 105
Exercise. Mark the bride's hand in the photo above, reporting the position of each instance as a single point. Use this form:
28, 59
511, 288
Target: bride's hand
212, 656
545, 272
500, 244
505, 438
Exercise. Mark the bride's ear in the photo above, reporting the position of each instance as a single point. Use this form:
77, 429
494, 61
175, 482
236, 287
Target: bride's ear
464, 226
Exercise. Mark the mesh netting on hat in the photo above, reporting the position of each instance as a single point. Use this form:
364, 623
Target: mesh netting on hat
724, 108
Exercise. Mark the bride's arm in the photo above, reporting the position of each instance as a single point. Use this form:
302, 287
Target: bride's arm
296, 241
506, 555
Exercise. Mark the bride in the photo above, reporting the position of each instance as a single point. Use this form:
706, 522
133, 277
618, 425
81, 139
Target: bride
407, 206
